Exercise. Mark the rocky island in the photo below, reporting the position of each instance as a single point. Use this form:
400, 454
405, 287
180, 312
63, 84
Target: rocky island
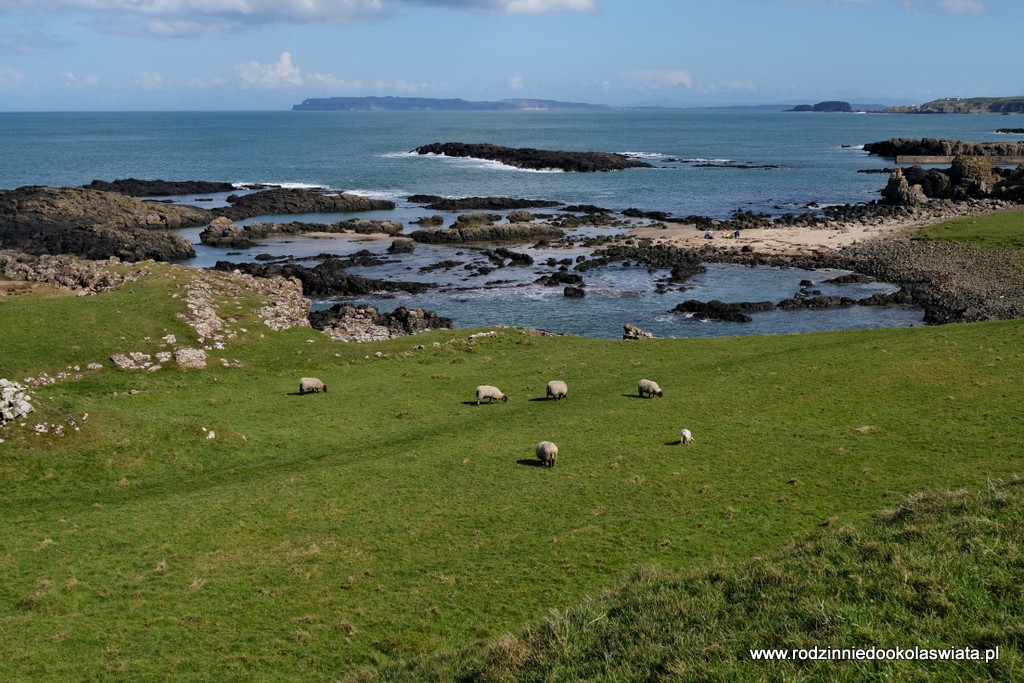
536, 159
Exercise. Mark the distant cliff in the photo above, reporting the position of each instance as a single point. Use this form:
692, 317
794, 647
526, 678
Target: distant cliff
969, 105
433, 104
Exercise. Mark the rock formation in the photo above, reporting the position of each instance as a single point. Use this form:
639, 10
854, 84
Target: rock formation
94, 224
280, 201
537, 159
365, 323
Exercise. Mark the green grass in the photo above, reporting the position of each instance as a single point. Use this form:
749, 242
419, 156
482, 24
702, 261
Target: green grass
392, 518
1004, 229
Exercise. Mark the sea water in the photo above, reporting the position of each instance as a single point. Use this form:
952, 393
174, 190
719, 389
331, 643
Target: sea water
708, 163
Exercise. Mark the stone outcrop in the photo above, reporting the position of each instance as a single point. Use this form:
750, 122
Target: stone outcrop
538, 159
15, 403
94, 224
223, 232
720, 310
134, 187
66, 272
343, 322
900, 192
634, 332
329, 277
278, 201
436, 203
503, 232
895, 147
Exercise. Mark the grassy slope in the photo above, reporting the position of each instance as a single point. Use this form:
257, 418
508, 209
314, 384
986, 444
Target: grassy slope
392, 518
1005, 229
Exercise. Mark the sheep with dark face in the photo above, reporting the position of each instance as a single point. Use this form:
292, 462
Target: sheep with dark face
648, 387
492, 394
311, 385
547, 453
557, 389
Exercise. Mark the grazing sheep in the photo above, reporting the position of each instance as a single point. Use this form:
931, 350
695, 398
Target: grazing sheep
492, 394
311, 385
649, 387
547, 453
685, 437
557, 389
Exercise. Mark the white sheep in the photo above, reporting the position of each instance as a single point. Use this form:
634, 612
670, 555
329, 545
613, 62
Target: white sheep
492, 394
649, 387
685, 437
547, 453
557, 389
311, 385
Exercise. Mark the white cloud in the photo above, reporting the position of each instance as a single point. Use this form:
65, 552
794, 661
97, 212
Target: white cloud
280, 75
71, 80
660, 78
150, 80
515, 82
953, 7
10, 77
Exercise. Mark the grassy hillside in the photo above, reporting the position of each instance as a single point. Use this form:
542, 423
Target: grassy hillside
1005, 229
391, 517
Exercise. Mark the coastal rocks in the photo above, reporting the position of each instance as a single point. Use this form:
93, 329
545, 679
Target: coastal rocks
222, 232
66, 272
504, 232
537, 159
571, 292
279, 201
15, 402
632, 332
329, 277
720, 310
560, 278
402, 245
343, 322
798, 302
134, 187
515, 258
895, 147
436, 203
94, 224
900, 192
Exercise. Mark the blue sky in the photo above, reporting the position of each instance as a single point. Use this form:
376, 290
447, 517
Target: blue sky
58, 55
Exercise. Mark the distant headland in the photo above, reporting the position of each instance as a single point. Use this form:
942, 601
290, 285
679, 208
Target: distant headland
967, 105
434, 104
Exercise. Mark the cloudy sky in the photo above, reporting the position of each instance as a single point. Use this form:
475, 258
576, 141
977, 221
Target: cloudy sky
270, 54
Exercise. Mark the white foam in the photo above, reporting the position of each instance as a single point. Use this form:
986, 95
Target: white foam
488, 164
643, 155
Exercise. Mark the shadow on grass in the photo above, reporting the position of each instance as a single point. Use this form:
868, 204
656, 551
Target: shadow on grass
636, 396
677, 442
530, 462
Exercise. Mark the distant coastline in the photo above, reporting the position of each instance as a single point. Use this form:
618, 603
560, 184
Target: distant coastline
434, 104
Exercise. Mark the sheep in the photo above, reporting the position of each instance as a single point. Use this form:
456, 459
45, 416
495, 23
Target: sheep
685, 437
649, 387
311, 385
557, 389
490, 393
547, 453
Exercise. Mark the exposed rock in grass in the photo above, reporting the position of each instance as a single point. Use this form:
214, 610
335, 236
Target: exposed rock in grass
366, 323
15, 402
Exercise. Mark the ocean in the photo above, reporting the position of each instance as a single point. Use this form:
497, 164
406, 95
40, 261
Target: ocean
709, 163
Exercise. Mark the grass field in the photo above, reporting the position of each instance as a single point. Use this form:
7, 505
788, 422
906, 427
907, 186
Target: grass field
391, 518
1005, 229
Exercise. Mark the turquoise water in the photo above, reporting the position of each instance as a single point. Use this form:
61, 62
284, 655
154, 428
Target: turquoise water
816, 156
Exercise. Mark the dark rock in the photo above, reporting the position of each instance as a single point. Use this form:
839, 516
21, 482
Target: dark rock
571, 292
498, 256
851, 278
298, 200
222, 232
134, 187
487, 233
402, 245
559, 278
903, 296
535, 158
719, 310
815, 302
436, 203
329, 277
94, 224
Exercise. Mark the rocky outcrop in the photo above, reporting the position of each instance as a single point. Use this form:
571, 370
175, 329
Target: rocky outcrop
634, 332
278, 201
223, 232
343, 322
436, 203
895, 147
798, 302
15, 402
94, 224
900, 192
720, 310
134, 187
66, 272
329, 277
537, 159
504, 232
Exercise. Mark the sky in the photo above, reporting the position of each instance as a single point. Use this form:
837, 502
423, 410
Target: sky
139, 55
